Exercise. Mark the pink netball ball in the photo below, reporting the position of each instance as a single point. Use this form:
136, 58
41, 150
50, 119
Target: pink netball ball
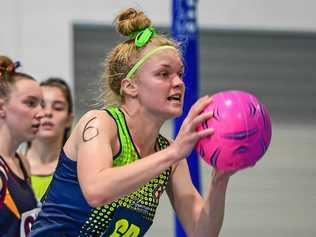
242, 131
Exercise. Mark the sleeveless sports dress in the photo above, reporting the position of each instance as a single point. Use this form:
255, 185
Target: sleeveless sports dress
65, 212
40, 184
18, 206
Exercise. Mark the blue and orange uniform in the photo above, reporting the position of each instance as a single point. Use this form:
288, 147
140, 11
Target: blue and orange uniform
65, 211
18, 205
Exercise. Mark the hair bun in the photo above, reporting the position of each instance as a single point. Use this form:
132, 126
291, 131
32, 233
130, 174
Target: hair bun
131, 20
7, 67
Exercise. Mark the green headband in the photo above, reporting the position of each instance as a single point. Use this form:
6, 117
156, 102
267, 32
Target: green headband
144, 58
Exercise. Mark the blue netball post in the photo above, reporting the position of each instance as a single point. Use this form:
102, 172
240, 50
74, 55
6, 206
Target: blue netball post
185, 30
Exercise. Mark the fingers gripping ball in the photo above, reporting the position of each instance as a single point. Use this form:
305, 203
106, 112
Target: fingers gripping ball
242, 131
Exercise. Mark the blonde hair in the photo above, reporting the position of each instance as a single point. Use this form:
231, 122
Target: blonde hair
121, 59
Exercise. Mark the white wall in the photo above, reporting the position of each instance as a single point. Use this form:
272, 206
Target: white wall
39, 33
297, 15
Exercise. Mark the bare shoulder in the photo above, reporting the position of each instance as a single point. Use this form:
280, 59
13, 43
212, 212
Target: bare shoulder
93, 124
94, 127
95, 118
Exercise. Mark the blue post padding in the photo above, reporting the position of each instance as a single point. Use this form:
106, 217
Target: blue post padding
185, 30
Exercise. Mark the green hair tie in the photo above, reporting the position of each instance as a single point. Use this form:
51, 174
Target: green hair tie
142, 36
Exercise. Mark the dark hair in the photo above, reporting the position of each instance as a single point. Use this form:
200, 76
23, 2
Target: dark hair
9, 76
63, 86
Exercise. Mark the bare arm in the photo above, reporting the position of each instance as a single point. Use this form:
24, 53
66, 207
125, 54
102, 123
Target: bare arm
100, 182
184, 198
211, 216
200, 217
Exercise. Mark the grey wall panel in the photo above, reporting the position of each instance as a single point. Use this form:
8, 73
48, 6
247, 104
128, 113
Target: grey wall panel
278, 67
91, 43
274, 198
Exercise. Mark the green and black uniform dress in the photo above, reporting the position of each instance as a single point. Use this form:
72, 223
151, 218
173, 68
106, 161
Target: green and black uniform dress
131, 215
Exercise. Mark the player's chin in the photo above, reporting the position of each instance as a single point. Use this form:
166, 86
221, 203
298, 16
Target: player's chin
29, 136
176, 112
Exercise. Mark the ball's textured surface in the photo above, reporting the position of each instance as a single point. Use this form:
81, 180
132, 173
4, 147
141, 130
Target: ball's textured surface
242, 131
